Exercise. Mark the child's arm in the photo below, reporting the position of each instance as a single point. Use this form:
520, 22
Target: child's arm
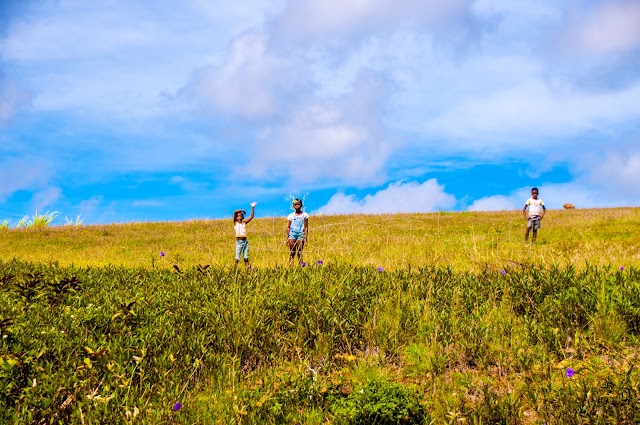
544, 210
306, 229
286, 238
524, 211
253, 207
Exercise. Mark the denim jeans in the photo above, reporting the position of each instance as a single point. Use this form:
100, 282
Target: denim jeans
242, 246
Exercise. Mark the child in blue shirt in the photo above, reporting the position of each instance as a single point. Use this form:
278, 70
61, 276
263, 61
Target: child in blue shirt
297, 231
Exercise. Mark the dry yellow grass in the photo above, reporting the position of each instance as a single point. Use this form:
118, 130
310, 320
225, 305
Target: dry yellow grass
464, 240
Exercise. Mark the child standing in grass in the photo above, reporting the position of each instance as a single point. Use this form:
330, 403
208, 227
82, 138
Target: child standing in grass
297, 231
239, 224
536, 213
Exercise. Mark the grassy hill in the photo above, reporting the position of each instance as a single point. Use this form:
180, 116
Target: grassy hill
410, 319
464, 240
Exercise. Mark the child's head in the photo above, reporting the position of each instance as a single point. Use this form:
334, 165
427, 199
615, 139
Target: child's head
297, 204
238, 215
534, 192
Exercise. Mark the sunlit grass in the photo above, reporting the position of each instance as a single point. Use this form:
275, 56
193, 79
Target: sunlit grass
469, 241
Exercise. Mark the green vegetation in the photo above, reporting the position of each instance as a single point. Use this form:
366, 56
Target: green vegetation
464, 241
478, 329
70, 222
38, 220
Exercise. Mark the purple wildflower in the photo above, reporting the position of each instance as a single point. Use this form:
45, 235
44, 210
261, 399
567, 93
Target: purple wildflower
380, 269
570, 372
320, 262
303, 264
621, 268
503, 272
162, 253
177, 406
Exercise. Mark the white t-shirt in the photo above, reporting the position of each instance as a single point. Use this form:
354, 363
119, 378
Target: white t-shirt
535, 206
241, 230
297, 222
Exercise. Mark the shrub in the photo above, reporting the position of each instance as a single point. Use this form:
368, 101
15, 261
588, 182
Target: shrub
379, 402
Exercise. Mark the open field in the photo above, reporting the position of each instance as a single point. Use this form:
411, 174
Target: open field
414, 319
465, 241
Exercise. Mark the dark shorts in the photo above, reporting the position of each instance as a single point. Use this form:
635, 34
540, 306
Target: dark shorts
534, 222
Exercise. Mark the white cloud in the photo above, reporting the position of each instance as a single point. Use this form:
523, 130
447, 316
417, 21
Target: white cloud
611, 26
253, 82
117, 59
617, 171
322, 19
188, 185
22, 174
339, 141
12, 98
147, 203
533, 112
493, 203
396, 198
89, 206
46, 198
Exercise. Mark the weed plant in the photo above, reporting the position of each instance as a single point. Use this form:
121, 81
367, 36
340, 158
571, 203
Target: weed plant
528, 343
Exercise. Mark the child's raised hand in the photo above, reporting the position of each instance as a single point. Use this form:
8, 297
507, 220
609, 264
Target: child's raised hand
253, 204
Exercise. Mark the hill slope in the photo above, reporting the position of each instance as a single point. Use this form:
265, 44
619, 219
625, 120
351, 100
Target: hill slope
467, 240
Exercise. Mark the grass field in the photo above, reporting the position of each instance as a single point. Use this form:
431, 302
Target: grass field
465, 241
414, 319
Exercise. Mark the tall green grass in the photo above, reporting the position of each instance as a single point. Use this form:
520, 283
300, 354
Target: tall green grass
36, 221
422, 318
319, 344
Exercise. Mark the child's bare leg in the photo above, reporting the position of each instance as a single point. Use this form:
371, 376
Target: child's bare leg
300, 245
533, 235
292, 250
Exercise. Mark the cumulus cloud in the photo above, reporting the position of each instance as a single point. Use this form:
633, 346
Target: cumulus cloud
119, 59
253, 82
145, 203
89, 206
46, 198
188, 185
398, 197
608, 27
494, 203
318, 19
341, 141
533, 111
23, 174
12, 98
619, 172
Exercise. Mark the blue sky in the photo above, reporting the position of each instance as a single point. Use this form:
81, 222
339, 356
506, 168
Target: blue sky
123, 111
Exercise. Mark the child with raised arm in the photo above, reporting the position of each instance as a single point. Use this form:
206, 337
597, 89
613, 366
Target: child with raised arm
239, 224
536, 213
297, 231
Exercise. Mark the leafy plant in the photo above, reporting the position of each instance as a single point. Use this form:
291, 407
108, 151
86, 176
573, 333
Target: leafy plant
38, 220
380, 402
70, 222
